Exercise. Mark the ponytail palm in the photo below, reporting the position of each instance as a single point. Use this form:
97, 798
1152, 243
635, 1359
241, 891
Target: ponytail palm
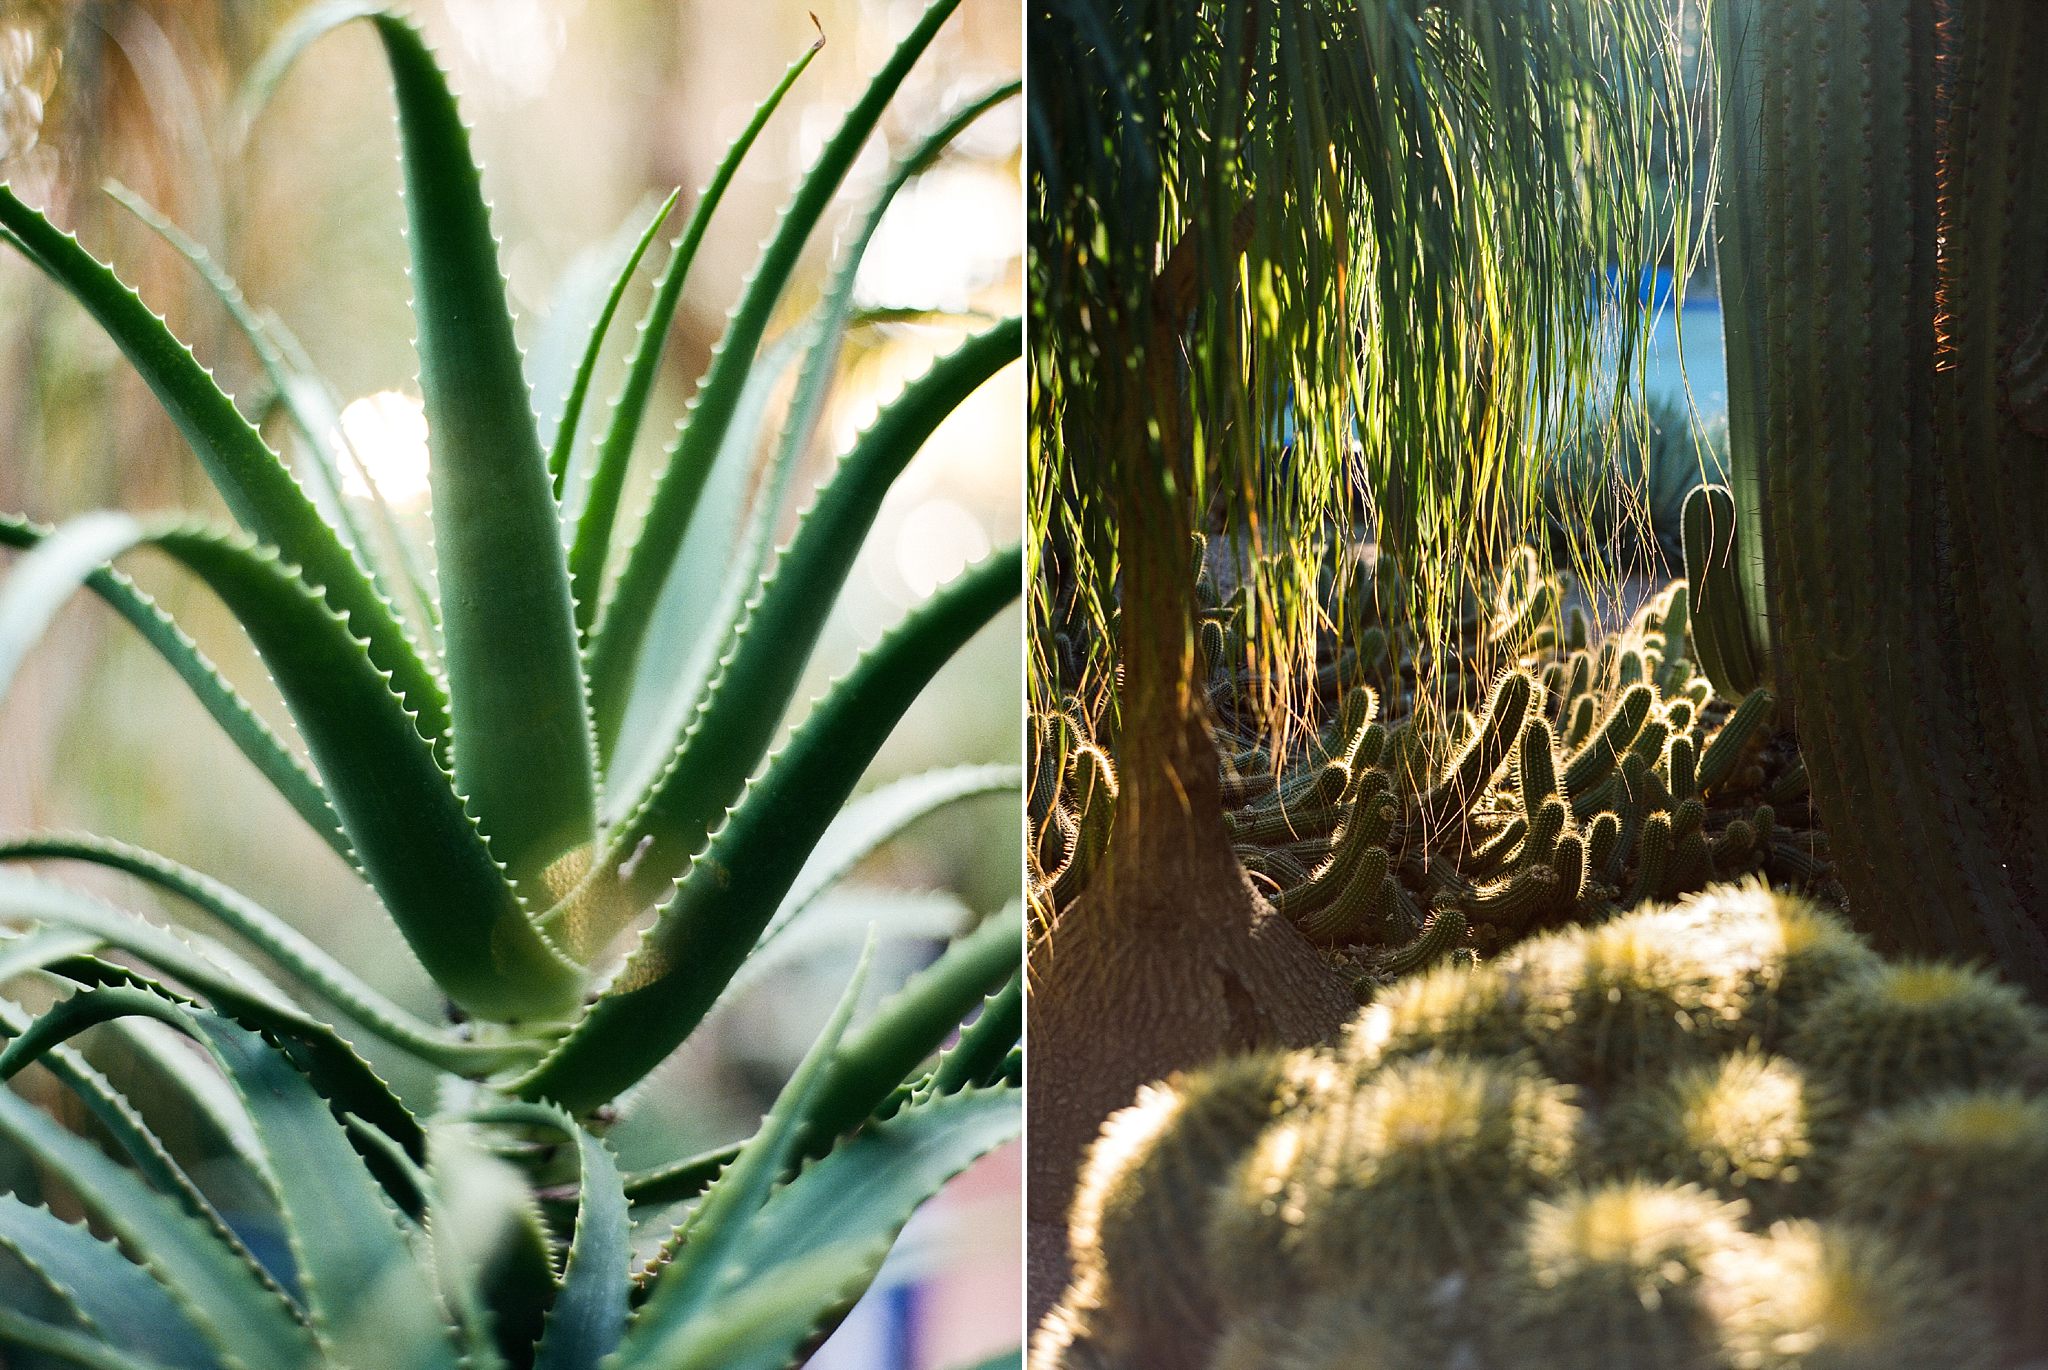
486, 767
1378, 227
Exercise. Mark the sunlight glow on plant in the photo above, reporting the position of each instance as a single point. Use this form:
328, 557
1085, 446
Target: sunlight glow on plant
387, 432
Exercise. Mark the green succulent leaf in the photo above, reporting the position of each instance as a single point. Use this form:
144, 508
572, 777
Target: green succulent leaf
110, 1294
571, 419
704, 933
355, 1264
743, 706
250, 734
258, 488
412, 836
69, 1346
296, 953
977, 1058
622, 628
842, 1215
592, 544
248, 1323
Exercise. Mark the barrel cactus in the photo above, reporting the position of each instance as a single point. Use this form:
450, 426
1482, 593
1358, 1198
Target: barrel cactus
1518, 1166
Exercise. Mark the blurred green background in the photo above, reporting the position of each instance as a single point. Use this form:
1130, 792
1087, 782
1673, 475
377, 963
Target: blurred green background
586, 113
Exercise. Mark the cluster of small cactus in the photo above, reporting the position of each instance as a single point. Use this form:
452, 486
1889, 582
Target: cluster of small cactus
1719, 1134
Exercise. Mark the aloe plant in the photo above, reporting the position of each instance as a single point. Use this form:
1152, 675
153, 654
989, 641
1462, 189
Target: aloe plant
520, 767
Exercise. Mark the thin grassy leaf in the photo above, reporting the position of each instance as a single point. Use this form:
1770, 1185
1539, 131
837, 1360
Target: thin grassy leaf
622, 628
592, 543
684, 1286
567, 425
515, 682
110, 1294
710, 626
248, 1323
843, 1213
705, 932
746, 699
413, 839
258, 488
355, 1264
299, 955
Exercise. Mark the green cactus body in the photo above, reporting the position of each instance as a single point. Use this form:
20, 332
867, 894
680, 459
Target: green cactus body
1487, 751
1340, 1330
1536, 765
1569, 864
1744, 729
1414, 1172
1729, 652
1516, 900
1619, 1275
1347, 911
1438, 938
1957, 1177
1900, 1031
1548, 824
1734, 845
1681, 767
1592, 762
1585, 713
1603, 841
1490, 855
1748, 1127
1279, 824
1653, 858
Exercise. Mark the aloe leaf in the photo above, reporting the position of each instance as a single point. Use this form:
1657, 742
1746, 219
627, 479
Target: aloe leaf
842, 918
247, 1322
257, 486
567, 425
878, 818
1007, 1360
600, 497
489, 1253
342, 1074
250, 734
588, 1317
743, 706
977, 1058
68, 1346
826, 331
299, 955
413, 839
842, 1215
699, 1265
366, 1301
703, 933
622, 628
115, 1298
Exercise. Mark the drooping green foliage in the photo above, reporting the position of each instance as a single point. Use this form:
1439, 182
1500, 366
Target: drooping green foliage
515, 782
1653, 1142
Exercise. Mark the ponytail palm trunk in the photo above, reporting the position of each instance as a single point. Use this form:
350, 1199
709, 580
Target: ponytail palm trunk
1893, 223
1346, 221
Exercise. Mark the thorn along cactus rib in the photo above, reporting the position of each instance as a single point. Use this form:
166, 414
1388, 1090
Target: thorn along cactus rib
1507, 1167
519, 769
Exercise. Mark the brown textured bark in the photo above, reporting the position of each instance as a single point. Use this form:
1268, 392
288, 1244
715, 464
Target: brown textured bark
1169, 958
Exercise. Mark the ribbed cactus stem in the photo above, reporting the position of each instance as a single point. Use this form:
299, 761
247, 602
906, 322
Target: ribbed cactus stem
1728, 651
1438, 938
1653, 858
1536, 765
1487, 751
1603, 840
1513, 901
1744, 729
1491, 854
1283, 824
1570, 866
1585, 712
1593, 761
1350, 909
1681, 764
1546, 826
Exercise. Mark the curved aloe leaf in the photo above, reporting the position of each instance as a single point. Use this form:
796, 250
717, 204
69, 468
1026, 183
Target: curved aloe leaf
68, 1346
706, 930
744, 704
299, 955
840, 1218
247, 1322
250, 734
579, 387
977, 1058
110, 1294
594, 521
414, 841
826, 331
363, 1292
257, 486
622, 628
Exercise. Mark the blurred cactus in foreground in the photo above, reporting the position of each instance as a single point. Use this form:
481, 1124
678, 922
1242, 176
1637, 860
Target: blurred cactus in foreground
1719, 1134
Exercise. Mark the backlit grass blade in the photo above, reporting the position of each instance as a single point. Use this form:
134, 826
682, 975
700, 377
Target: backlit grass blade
250, 734
746, 700
598, 514
623, 625
258, 488
415, 843
707, 929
